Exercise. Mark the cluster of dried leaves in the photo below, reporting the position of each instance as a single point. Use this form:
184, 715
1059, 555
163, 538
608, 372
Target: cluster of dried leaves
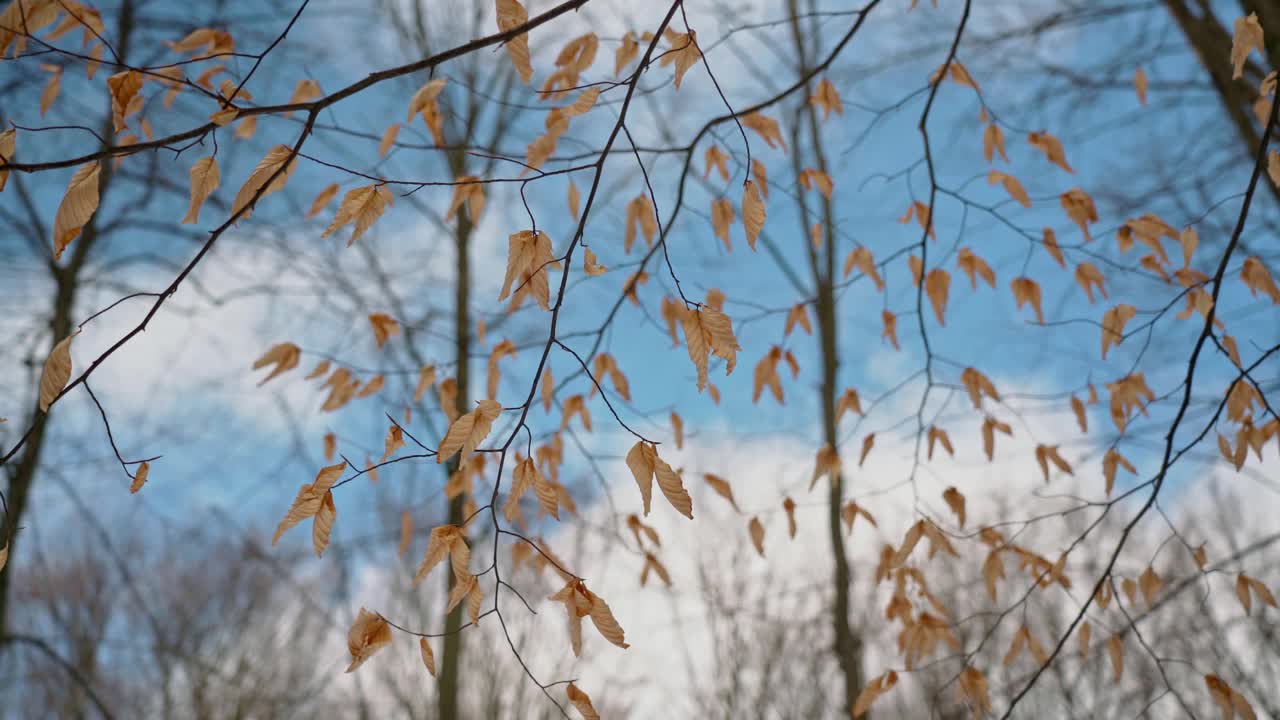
926, 623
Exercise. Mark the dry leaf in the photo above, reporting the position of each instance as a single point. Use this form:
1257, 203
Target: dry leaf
256, 186
140, 477
1011, 186
56, 373
406, 533
8, 142
581, 702
1081, 209
468, 431
579, 602
1050, 242
528, 258
936, 285
721, 488
1140, 85
1115, 648
322, 200
989, 426
384, 145
722, 219
368, 634
1113, 322
204, 180
124, 87
890, 331
753, 213
511, 15
955, 501
707, 331
756, 530
992, 142
384, 328
77, 206
323, 523
826, 97
1026, 290
428, 658
1246, 36
872, 692
1052, 149
283, 355
789, 507
309, 500
361, 207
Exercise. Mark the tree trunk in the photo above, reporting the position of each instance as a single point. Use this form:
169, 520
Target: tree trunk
1210, 38
67, 281
847, 645
451, 657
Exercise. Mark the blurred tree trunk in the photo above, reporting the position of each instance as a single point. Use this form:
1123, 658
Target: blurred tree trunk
1208, 30
847, 645
450, 660
66, 281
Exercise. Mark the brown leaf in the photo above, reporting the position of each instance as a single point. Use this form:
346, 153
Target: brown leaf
1011, 186
936, 285
309, 500
468, 431
406, 533
384, 145
955, 501
1026, 290
581, 702
284, 356
1082, 419
992, 142
1113, 322
368, 634
1081, 209
384, 328
890, 331
322, 200
204, 180
673, 487
124, 87
756, 530
1050, 242
77, 206
642, 460
1051, 147
428, 657
56, 373
1115, 648
511, 15
257, 183
989, 426
868, 442
362, 207
826, 98
528, 258
323, 523
721, 488
753, 213
8, 142
1245, 37
140, 477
